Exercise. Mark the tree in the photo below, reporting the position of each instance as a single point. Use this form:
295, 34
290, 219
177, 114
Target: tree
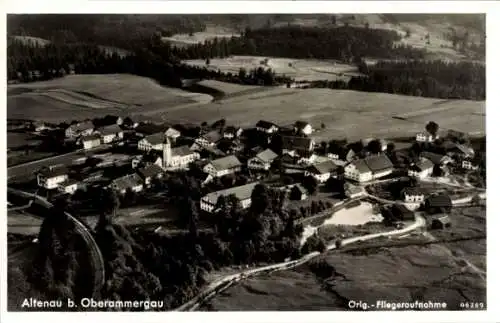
310, 184
207, 61
432, 128
295, 194
374, 146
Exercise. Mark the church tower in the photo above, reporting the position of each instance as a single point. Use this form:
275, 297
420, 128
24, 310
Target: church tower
167, 153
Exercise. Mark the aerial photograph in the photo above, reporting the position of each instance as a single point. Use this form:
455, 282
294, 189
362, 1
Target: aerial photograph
246, 162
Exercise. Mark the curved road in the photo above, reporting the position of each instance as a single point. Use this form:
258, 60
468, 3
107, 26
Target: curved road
96, 259
225, 282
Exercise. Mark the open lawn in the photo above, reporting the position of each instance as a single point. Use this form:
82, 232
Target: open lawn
299, 69
87, 96
345, 114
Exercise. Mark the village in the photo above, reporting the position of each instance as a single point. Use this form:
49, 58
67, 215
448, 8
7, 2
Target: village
434, 172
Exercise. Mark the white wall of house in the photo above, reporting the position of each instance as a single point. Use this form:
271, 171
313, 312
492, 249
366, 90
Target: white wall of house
414, 198
352, 173
307, 130
206, 206
70, 189
89, 144
256, 163
144, 145
382, 174
468, 165
178, 162
51, 182
272, 129
423, 174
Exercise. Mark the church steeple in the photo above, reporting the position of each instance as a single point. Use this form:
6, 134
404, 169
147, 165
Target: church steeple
167, 153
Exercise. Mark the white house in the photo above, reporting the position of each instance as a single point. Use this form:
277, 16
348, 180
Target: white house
150, 172
51, 177
468, 164
297, 145
152, 142
91, 141
223, 166
267, 127
232, 132
111, 133
243, 194
425, 137
69, 186
262, 160
80, 129
178, 157
303, 127
369, 168
413, 195
132, 182
322, 171
210, 139
421, 169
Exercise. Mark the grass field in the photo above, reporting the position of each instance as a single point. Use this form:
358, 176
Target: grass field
299, 69
87, 96
345, 114
211, 32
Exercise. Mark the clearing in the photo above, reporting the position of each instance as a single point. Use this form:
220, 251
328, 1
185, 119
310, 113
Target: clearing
358, 215
88, 96
210, 33
299, 69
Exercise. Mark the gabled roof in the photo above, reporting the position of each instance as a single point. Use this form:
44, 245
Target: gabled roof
378, 163
127, 181
433, 157
265, 124
323, 167
212, 136
110, 130
241, 192
412, 191
296, 142
361, 166
464, 149
267, 155
301, 188
401, 211
441, 200
232, 129
91, 137
53, 172
156, 138
422, 164
182, 151
69, 182
173, 133
227, 162
151, 156
82, 126
150, 171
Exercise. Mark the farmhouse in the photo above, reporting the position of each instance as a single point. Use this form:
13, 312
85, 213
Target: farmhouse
468, 163
69, 186
262, 160
209, 139
232, 132
460, 151
178, 157
322, 171
297, 145
421, 169
149, 172
128, 182
91, 141
298, 193
267, 127
370, 168
437, 159
151, 142
79, 129
425, 137
223, 166
438, 204
350, 156
50, 178
149, 158
303, 127
441, 222
413, 195
352, 191
397, 212
111, 133
242, 193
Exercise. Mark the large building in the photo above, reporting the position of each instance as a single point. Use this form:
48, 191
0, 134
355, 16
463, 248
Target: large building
322, 171
262, 160
51, 177
80, 129
111, 133
223, 166
178, 157
297, 145
369, 168
152, 142
243, 194
421, 169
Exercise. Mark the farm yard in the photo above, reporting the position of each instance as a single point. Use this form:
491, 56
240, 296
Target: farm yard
299, 69
87, 96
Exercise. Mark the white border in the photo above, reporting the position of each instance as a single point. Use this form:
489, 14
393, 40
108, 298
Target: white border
98, 6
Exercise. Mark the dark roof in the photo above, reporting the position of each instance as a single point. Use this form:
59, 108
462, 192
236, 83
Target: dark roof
301, 188
324, 167
301, 124
433, 157
53, 172
378, 163
91, 137
402, 212
296, 142
226, 162
182, 151
267, 155
241, 192
231, 129
412, 191
82, 126
150, 128
212, 136
361, 166
442, 200
110, 130
422, 164
127, 181
265, 124
156, 138
150, 171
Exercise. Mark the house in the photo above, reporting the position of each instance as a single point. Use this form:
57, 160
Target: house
296, 144
152, 142
79, 129
209, 139
350, 156
437, 159
262, 160
425, 137
91, 141
438, 204
178, 157
111, 133
303, 128
223, 166
421, 169
149, 172
401, 213
353, 191
128, 182
232, 132
369, 168
298, 193
412, 195
266, 127
69, 186
172, 133
149, 158
39, 126
322, 171
307, 158
469, 164
460, 151
51, 177
441, 222
242, 193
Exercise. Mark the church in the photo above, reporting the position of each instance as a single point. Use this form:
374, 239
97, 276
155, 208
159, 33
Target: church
178, 157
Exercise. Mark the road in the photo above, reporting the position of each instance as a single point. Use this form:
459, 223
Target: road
28, 168
225, 282
96, 259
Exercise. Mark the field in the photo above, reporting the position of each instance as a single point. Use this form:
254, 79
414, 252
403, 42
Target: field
87, 96
357, 215
345, 114
211, 32
299, 69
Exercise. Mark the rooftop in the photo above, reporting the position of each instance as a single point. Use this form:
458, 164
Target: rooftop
442, 200
433, 157
267, 155
156, 138
54, 171
212, 136
296, 142
110, 130
265, 124
226, 162
323, 167
413, 191
91, 137
301, 124
82, 126
182, 151
241, 192
127, 181
150, 171
173, 133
